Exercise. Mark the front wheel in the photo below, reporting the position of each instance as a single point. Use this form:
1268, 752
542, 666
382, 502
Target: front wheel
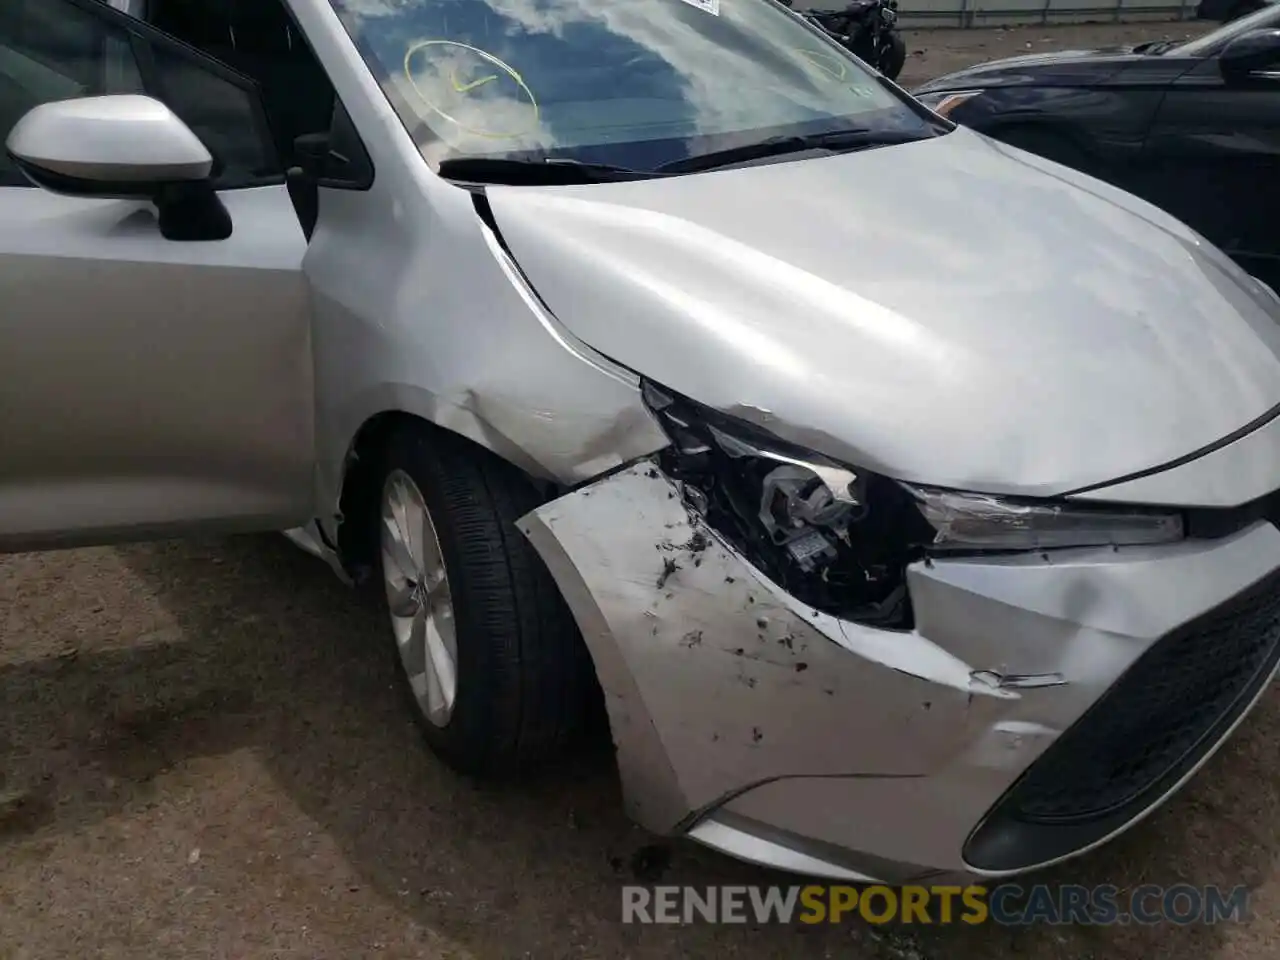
893, 56
497, 673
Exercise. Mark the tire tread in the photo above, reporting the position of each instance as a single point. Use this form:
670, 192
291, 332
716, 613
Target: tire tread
530, 671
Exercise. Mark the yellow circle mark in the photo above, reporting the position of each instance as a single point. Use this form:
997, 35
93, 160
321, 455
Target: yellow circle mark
831, 64
462, 87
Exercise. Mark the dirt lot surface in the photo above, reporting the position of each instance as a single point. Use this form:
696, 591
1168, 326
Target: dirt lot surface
933, 53
201, 755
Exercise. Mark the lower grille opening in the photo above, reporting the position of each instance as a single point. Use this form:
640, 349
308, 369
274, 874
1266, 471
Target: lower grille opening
1169, 709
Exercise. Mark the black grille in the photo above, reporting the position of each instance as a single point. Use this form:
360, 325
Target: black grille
1154, 724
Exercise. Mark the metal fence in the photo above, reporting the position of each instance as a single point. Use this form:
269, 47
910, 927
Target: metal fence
990, 13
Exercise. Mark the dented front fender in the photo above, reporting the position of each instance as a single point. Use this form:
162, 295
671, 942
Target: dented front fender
715, 679
739, 713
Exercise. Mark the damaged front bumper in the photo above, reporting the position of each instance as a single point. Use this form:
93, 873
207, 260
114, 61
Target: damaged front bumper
1041, 704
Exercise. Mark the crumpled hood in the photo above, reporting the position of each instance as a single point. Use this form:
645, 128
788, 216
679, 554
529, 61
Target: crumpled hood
952, 311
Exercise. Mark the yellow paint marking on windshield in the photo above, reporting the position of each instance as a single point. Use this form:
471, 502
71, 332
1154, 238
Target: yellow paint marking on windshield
831, 64
467, 87
534, 113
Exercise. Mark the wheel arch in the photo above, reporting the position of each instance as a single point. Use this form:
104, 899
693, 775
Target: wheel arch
359, 480
357, 540
555, 446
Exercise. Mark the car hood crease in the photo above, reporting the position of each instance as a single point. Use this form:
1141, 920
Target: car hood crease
951, 311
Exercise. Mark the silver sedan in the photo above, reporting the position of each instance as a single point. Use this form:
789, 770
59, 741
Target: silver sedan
906, 501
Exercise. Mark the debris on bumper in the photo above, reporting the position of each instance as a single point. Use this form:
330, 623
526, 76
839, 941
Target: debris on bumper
718, 679
874, 750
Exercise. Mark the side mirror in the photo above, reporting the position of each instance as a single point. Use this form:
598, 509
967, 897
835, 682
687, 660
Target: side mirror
123, 147
1257, 51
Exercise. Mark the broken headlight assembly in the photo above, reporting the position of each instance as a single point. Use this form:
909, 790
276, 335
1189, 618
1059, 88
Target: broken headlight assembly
974, 521
839, 538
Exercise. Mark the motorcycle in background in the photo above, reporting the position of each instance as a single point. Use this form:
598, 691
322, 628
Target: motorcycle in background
866, 28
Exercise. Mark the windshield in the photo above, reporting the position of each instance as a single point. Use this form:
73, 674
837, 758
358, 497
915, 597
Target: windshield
1268, 16
631, 83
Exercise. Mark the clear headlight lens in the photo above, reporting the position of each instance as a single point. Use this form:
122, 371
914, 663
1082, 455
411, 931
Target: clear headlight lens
974, 521
943, 103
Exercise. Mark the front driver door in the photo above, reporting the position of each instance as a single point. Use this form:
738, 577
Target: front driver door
148, 387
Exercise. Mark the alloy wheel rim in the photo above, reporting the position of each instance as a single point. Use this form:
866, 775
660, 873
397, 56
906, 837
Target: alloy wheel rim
418, 598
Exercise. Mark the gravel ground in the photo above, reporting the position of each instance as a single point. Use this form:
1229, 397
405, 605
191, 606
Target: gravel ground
933, 53
201, 755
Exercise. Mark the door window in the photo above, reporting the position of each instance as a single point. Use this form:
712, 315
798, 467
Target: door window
59, 49
259, 39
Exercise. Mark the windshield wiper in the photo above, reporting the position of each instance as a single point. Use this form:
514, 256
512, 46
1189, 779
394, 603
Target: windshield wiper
838, 140
565, 170
543, 171
1153, 48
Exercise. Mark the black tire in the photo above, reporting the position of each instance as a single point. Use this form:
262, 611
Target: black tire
524, 678
895, 57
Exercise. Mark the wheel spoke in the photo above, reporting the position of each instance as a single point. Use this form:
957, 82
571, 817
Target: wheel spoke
401, 599
397, 551
419, 598
420, 683
417, 535
402, 510
437, 703
437, 587
414, 650
443, 667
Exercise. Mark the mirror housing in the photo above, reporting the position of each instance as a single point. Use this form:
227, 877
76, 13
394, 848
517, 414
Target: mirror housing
116, 146
123, 147
1252, 52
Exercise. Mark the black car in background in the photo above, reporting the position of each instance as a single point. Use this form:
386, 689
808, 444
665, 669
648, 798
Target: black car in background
1224, 11
1191, 127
